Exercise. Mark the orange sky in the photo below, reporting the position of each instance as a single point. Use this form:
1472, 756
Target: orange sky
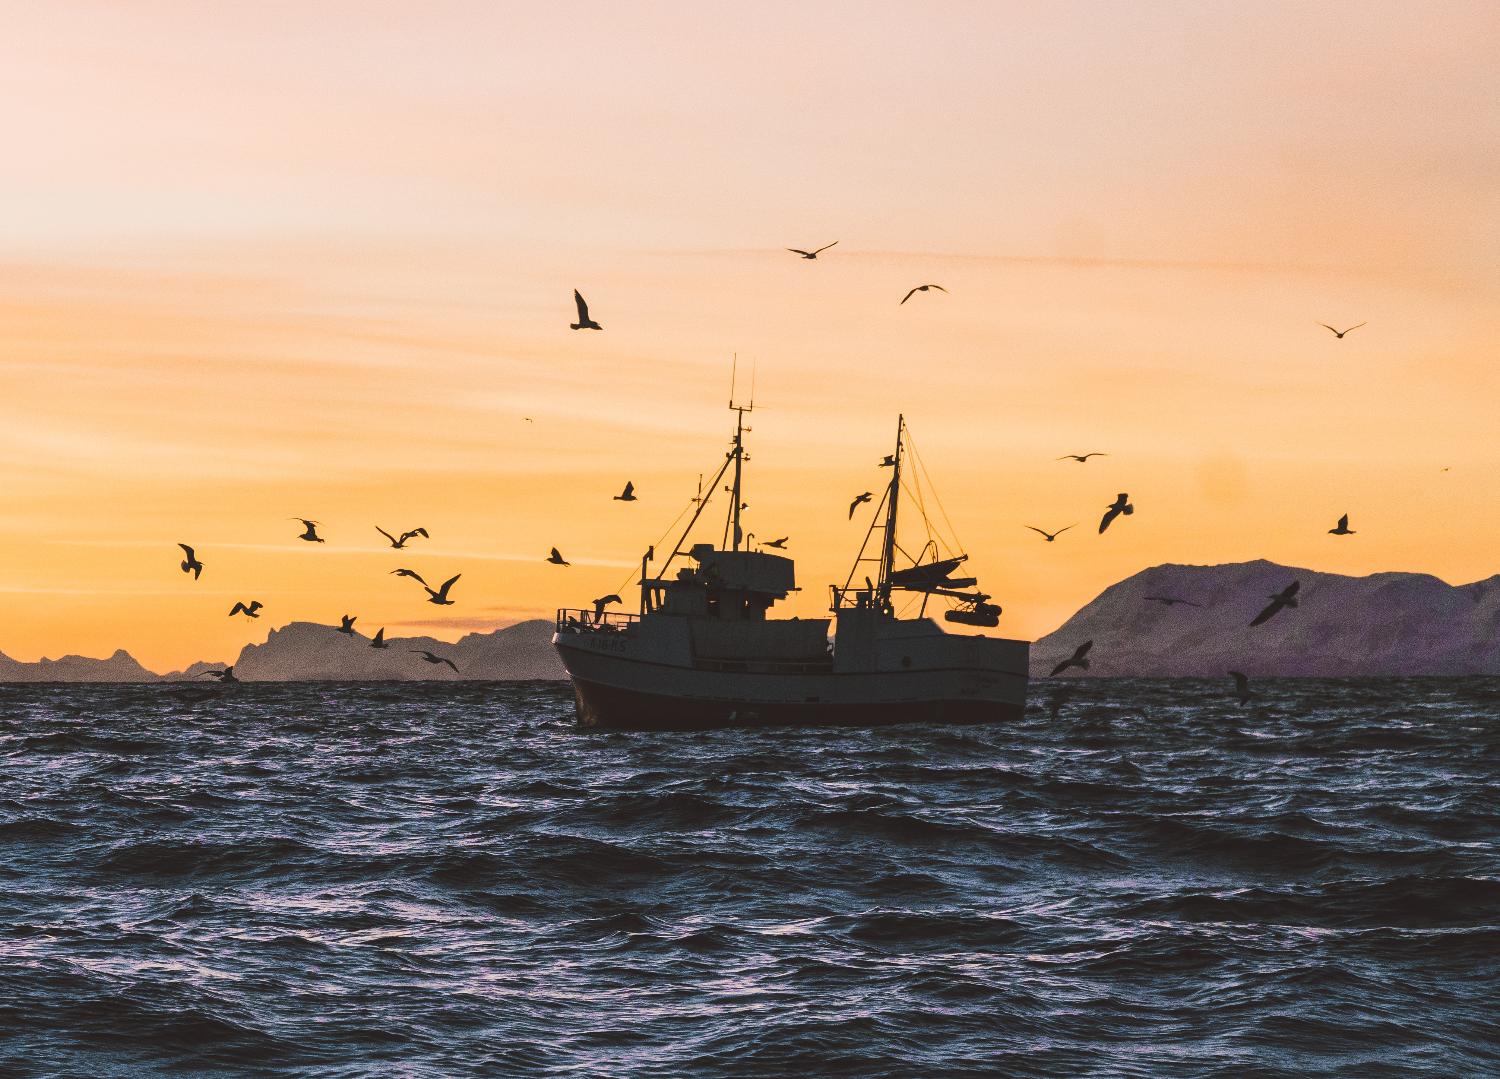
317, 259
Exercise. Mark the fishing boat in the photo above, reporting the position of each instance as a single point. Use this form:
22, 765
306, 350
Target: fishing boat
703, 650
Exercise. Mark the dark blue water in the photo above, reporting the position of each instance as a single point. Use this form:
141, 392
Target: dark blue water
449, 880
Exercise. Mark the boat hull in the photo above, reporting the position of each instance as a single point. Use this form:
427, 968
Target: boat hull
619, 682
614, 708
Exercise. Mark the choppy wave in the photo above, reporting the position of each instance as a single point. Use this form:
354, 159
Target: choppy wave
439, 880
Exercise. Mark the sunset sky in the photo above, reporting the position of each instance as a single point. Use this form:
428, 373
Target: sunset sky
316, 259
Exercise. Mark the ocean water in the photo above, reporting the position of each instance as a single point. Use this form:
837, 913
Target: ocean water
434, 880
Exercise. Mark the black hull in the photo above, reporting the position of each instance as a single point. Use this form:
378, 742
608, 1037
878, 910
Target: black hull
608, 708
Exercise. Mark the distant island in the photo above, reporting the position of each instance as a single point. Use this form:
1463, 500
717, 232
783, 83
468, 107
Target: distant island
308, 652
1383, 624
1169, 621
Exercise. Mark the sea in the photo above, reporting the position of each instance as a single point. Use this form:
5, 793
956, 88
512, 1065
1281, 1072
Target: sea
1139, 878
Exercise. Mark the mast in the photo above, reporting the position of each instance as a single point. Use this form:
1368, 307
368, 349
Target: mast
888, 545
739, 461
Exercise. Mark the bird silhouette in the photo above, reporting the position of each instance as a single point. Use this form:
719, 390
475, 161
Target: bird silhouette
627, 495
1287, 597
430, 658
1171, 601
858, 501
413, 574
603, 602
311, 530
779, 544
810, 254
1120, 505
1079, 659
1343, 528
398, 542
440, 595
346, 623
584, 322
1242, 687
249, 610
920, 288
557, 559
1050, 536
1057, 701
190, 564
378, 641
1081, 458
1340, 333
226, 675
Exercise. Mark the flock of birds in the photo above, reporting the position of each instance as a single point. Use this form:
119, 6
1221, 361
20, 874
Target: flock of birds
440, 596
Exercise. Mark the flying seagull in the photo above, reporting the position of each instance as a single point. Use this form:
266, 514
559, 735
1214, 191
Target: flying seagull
1051, 536
920, 288
1081, 458
440, 596
557, 559
1343, 528
250, 610
190, 564
779, 544
584, 322
413, 574
1171, 601
810, 254
378, 641
226, 675
858, 502
1079, 659
1120, 505
627, 495
1242, 687
603, 602
1340, 333
1287, 597
430, 658
400, 542
347, 623
311, 533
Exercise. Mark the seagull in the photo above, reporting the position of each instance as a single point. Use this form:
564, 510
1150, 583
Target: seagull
1051, 536
190, 564
1120, 505
226, 675
430, 658
1242, 687
1081, 458
440, 596
1287, 597
779, 544
920, 288
627, 495
556, 558
1343, 528
378, 641
400, 542
413, 574
1340, 333
584, 322
1079, 659
311, 535
347, 623
858, 502
1171, 601
810, 254
603, 602
252, 610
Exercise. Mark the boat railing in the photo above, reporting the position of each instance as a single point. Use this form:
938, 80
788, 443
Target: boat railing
579, 620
